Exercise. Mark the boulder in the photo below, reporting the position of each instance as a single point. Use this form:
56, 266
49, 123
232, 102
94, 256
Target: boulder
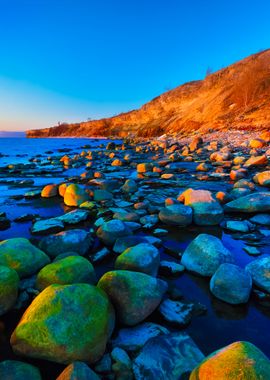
259, 270
256, 202
49, 191
9, 282
176, 214
65, 323
205, 254
76, 240
17, 370
110, 231
135, 295
21, 255
69, 270
75, 195
231, 284
239, 360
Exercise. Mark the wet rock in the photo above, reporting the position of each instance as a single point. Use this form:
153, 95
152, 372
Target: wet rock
75, 195
74, 217
9, 282
262, 219
76, 240
231, 284
168, 357
145, 167
130, 186
259, 270
238, 226
65, 323
256, 161
134, 338
32, 194
49, 191
4, 222
25, 218
102, 195
256, 202
239, 360
110, 231
121, 244
104, 365
262, 178
171, 268
257, 143
176, 312
78, 370
122, 366
140, 258
47, 226
176, 214
17, 370
253, 251
205, 254
206, 210
101, 255
69, 270
21, 255
135, 295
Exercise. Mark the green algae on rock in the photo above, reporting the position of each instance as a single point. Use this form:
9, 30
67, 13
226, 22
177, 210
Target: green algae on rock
239, 360
69, 270
135, 295
9, 282
65, 323
21, 255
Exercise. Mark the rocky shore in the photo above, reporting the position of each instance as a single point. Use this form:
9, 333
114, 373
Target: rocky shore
93, 290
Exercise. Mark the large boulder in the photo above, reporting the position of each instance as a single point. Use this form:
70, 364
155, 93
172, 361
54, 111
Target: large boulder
143, 258
205, 254
168, 357
231, 284
65, 323
110, 231
78, 371
79, 241
135, 295
206, 210
17, 370
9, 282
259, 270
75, 195
21, 255
176, 214
256, 202
69, 270
239, 360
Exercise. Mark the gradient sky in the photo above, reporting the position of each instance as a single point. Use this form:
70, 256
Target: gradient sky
69, 60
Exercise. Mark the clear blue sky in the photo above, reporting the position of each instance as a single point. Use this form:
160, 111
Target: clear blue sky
67, 60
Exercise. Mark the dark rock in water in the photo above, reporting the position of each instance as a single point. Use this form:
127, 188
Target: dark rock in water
104, 365
78, 370
123, 243
135, 295
205, 254
47, 226
4, 223
257, 202
239, 360
134, 338
26, 218
100, 255
65, 323
259, 270
263, 219
176, 312
21, 255
169, 357
17, 370
110, 231
171, 268
231, 284
177, 214
122, 366
76, 240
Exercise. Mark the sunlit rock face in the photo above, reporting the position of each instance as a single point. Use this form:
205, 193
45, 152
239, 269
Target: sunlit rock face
75, 195
239, 360
65, 323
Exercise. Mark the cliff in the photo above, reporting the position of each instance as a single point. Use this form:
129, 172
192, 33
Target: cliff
234, 97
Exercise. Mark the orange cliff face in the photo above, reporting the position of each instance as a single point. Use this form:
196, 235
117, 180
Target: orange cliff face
235, 97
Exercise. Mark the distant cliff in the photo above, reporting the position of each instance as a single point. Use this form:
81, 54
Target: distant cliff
235, 97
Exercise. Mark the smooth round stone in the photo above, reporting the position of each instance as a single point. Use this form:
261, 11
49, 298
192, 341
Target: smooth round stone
143, 258
205, 254
262, 178
78, 371
144, 167
135, 295
231, 284
76, 240
259, 270
130, 186
65, 323
256, 202
17, 370
69, 270
9, 282
21, 255
110, 231
49, 191
75, 195
176, 214
239, 360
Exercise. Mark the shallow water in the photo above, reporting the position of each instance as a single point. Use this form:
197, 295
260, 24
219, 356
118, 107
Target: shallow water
221, 325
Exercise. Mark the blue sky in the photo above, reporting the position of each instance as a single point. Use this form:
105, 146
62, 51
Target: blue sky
69, 60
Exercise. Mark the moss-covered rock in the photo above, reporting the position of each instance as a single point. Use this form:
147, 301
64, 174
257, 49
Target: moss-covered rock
70, 270
78, 371
135, 295
9, 281
65, 323
16, 370
21, 255
239, 360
